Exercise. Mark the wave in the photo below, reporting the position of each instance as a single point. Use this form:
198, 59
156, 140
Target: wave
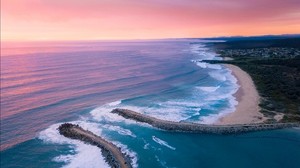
209, 88
217, 75
223, 92
207, 65
103, 113
202, 64
214, 66
163, 143
128, 152
202, 53
187, 108
84, 153
115, 103
166, 111
120, 130
206, 103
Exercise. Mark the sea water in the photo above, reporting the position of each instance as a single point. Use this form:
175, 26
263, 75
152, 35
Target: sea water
46, 84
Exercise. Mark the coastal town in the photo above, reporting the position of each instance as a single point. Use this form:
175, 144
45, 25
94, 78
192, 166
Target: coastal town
268, 52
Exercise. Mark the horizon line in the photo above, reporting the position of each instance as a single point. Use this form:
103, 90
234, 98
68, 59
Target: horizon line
150, 39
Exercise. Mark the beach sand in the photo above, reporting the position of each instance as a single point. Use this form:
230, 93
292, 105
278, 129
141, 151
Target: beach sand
247, 110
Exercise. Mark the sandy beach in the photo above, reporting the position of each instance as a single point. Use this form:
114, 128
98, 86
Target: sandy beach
247, 110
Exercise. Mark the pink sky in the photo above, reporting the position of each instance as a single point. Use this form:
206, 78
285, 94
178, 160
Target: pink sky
23, 20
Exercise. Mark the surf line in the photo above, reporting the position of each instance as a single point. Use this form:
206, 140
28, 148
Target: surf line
200, 128
113, 155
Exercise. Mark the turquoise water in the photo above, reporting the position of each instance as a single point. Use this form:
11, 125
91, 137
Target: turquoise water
45, 85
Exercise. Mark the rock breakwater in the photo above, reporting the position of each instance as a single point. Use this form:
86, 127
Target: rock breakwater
113, 155
200, 128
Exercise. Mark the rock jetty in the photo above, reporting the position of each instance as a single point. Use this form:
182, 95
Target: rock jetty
200, 128
113, 155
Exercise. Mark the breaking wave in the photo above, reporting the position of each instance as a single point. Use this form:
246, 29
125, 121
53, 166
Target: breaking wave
163, 143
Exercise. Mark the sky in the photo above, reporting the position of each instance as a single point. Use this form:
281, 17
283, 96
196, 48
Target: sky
30, 20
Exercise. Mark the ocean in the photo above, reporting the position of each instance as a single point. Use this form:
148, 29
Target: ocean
46, 84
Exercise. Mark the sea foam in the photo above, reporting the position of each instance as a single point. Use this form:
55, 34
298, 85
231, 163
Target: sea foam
223, 91
120, 130
115, 103
133, 155
86, 156
163, 143
209, 88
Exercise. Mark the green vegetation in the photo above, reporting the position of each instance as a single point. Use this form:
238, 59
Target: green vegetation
277, 78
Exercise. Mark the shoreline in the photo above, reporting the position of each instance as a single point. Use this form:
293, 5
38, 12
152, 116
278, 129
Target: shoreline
247, 109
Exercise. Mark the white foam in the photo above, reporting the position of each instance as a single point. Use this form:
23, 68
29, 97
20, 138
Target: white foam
202, 64
128, 152
51, 134
93, 127
63, 158
196, 48
230, 76
174, 110
214, 94
217, 75
86, 156
206, 65
214, 66
119, 129
115, 103
103, 113
213, 118
163, 143
168, 113
209, 88
233, 102
201, 51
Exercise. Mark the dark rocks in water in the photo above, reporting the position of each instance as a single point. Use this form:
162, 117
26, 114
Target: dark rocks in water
200, 128
113, 155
